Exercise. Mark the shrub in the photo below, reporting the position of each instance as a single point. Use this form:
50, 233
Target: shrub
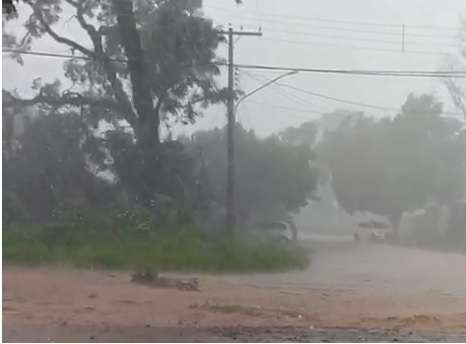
183, 248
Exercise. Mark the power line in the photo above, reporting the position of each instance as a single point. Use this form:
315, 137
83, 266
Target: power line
445, 115
307, 18
307, 111
340, 28
315, 94
353, 47
392, 73
61, 55
44, 54
406, 34
290, 96
350, 22
55, 55
362, 39
360, 104
58, 55
373, 32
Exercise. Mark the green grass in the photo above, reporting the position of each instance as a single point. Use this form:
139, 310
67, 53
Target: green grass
162, 249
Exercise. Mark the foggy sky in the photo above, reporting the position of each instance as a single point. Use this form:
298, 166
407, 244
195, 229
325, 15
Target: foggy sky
304, 23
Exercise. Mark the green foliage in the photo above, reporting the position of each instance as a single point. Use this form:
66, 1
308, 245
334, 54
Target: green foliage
162, 249
398, 164
172, 43
149, 62
181, 47
306, 134
51, 175
158, 177
423, 231
48, 168
273, 177
168, 77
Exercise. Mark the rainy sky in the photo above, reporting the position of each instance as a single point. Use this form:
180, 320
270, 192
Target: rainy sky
332, 34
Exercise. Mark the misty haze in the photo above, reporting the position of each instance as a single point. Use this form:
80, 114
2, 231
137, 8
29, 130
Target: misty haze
225, 170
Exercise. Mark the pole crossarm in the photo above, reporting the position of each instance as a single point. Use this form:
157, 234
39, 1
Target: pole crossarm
240, 33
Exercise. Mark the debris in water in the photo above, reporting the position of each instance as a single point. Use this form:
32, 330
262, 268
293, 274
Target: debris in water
155, 281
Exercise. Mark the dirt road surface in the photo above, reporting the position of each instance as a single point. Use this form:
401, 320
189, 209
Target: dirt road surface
351, 292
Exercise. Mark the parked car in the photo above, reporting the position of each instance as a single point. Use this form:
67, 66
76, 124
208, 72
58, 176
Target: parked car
373, 231
278, 230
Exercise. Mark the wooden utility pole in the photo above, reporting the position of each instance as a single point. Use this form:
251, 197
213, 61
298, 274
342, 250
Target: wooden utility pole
231, 181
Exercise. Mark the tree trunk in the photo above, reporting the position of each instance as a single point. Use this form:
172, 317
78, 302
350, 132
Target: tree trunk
147, 135
148, 117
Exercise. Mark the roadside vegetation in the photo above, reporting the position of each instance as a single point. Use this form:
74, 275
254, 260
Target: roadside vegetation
93, 175
162, 216
185, 248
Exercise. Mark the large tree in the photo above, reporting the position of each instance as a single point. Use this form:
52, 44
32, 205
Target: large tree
46, 167
274, 177
144, 61
400, 164
137, 65
305, 134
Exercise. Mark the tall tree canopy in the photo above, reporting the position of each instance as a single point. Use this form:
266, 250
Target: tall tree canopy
137, 65
400, 164
273, 176
305, 134
145, 61
46, 167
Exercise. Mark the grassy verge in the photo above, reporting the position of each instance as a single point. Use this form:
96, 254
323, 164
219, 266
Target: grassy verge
180, 249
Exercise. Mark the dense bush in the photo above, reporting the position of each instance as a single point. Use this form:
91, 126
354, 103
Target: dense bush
162, 249
74, 197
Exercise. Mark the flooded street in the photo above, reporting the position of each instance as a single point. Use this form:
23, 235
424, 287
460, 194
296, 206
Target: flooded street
377, 269
350, 289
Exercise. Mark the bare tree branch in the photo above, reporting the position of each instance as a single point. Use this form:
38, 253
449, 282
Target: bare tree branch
60, 39
92, 32
100, 55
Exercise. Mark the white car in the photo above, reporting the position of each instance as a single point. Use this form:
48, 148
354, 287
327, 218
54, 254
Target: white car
277, 229
372, 232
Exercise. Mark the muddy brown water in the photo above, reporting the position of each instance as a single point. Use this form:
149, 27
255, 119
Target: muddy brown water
351, 292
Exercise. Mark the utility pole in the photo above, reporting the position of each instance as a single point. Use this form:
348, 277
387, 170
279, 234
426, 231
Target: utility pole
231, 181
